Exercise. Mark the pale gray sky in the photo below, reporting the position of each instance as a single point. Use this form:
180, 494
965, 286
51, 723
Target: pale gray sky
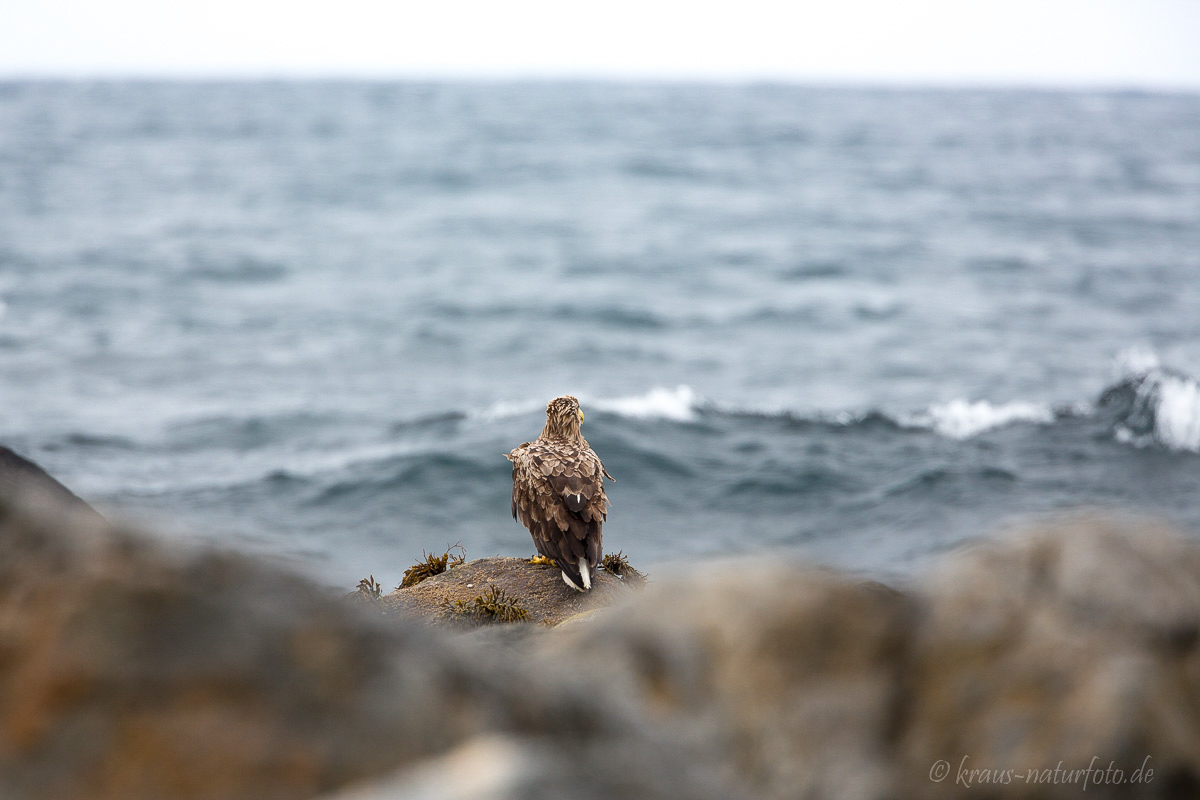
1135, 43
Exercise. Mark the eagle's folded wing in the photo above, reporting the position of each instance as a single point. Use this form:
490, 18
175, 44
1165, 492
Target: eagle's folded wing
558, 494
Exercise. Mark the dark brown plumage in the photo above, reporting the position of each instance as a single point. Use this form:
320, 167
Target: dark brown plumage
558, 493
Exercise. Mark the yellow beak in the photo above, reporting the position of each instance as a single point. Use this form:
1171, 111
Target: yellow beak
581, 415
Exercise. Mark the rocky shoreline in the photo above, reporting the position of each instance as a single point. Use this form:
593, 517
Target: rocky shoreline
1021, 668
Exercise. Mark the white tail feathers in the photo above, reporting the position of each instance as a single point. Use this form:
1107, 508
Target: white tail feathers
585, 572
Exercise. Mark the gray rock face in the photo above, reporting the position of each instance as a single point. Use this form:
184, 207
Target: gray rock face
130, 671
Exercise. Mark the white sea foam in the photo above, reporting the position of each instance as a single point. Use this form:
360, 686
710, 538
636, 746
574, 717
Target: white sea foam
960, 419
678, 404
1172, 400
1168, 398
1177, 415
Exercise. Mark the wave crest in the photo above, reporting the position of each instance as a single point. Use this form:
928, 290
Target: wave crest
678, 405
1158, 406
1150, 405
961, 419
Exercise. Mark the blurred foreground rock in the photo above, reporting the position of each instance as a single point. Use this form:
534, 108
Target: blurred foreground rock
1075, 646
128, 671
21, 477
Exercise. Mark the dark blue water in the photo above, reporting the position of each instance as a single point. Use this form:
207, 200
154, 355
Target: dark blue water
305, 319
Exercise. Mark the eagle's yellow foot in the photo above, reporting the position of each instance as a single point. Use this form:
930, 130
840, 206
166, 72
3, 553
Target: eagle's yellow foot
542, 560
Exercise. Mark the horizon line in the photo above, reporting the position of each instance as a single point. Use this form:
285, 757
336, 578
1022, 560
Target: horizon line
1099, 85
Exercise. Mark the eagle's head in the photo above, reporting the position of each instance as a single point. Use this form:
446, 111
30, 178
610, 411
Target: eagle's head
563, 417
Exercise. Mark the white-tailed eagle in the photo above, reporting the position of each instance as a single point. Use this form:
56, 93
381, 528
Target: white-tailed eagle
558, 493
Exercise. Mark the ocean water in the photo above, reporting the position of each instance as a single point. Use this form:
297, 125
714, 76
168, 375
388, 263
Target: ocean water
855, 326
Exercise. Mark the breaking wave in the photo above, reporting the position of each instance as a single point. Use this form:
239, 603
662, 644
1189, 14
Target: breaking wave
1155, 406
679, 404
962, 419
957, 419
1149, 406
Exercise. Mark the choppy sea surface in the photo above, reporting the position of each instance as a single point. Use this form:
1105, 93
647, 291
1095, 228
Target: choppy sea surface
856, 326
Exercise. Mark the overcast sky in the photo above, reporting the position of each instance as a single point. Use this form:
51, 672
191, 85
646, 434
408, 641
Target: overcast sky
1126, 43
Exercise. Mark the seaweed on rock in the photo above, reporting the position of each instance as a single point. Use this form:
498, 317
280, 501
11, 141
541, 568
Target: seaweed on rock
493, 605
369, 588
433, 565
618, 565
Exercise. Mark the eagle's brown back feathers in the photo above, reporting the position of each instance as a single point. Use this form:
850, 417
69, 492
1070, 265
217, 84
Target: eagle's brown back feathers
558, 492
